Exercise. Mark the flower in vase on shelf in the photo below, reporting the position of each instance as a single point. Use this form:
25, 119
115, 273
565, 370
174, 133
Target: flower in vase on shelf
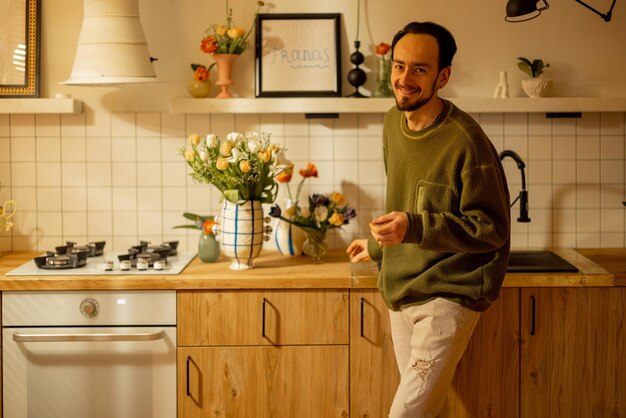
323, 213
208, 247
227, 38
384, 88
242, 166
200, 85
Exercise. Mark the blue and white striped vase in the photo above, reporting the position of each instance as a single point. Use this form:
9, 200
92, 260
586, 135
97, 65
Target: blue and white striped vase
241, 232
288, 238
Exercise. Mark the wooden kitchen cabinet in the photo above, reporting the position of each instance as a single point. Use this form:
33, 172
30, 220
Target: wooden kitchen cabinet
269, 353
374, 373
487, 379
486, 383
572, 352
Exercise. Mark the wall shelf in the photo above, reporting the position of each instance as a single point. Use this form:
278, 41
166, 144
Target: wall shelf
35, 105
370, 105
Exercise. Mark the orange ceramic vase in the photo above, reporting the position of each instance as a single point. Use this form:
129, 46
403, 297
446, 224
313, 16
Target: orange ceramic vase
224, 73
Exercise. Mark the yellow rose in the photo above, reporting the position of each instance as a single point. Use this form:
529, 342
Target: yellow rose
336, 219
221, 164
190, 155
194, 139
338, 198
244, 166
220, 30
236, 32
264, 156
226, 148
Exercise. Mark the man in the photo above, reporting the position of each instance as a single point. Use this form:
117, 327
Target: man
443, 245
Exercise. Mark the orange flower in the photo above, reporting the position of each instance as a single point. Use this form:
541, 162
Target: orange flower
309, 171
207, 226
285, 175
201, 73
244, 166
382, 48
209, 44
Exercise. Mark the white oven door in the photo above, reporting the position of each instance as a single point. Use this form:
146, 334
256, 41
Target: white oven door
121, 372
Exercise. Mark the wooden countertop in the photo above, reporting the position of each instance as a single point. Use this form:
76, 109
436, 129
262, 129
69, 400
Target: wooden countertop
612, 259
590, 274
597, 268
271, 271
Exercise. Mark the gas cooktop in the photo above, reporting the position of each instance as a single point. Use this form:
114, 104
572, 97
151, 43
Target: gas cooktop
91, 260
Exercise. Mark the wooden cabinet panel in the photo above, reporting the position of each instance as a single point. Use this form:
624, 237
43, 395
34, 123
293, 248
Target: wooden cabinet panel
573, 350
374, 372
273, 317
263, 382
487, 380
486, 383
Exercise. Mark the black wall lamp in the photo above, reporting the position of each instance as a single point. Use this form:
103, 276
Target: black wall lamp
523, 10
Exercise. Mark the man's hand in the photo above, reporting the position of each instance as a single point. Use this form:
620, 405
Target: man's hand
357, 250
390, 229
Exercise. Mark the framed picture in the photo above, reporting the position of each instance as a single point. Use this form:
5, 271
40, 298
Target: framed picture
19, 48
298, 55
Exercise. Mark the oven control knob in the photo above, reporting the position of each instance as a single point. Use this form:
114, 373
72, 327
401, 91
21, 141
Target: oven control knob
89, 307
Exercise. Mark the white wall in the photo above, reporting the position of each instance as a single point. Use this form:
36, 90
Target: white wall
113, 172
586, 54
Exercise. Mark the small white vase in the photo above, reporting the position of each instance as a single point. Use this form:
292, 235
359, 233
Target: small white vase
288, 238
536, 87
241, 232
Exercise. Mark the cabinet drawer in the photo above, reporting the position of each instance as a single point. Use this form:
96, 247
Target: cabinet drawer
268, 317
263, 382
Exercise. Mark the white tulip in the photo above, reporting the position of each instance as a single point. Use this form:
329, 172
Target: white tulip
321, 213
212, 141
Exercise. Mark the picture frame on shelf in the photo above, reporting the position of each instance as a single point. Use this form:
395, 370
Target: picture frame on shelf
298, 55
19, 58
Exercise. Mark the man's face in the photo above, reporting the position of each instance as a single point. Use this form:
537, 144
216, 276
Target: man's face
415, 76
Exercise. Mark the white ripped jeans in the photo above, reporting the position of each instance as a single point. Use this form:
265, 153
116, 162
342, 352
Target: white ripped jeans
429, 341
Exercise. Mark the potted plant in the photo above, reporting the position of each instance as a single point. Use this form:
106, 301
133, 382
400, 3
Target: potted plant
534, 86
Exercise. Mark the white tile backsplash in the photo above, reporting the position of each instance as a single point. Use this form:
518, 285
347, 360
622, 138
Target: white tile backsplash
119, 176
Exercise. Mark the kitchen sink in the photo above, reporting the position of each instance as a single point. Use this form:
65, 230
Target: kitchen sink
538, 261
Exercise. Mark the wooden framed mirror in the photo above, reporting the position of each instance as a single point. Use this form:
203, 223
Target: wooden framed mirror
19, 48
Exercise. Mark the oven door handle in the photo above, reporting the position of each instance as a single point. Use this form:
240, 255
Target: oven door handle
39, 338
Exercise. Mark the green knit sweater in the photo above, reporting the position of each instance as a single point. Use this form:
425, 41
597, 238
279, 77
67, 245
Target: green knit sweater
449, 180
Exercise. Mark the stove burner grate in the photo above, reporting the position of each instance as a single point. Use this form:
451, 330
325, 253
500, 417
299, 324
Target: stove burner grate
52, 261
69, 256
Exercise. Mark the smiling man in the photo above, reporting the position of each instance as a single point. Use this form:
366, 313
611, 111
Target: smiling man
443, 245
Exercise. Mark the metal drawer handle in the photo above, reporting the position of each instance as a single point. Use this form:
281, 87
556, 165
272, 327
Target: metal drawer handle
362, 324
40, 338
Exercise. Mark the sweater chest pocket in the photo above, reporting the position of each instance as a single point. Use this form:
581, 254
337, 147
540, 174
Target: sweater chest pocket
435, 198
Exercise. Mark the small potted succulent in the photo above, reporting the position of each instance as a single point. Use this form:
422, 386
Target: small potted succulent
534, 86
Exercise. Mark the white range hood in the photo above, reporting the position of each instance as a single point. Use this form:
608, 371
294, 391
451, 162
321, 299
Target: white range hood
112, 48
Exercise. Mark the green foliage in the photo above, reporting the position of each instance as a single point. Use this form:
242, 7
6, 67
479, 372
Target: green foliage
534, 69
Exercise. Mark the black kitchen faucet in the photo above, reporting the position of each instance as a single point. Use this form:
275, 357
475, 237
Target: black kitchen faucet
523, 194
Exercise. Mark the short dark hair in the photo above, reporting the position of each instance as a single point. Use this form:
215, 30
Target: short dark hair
447, 44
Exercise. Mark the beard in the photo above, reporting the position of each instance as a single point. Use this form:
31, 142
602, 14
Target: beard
406, 105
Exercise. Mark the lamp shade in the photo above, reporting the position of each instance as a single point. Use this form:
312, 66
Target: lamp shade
112, 47
522, 10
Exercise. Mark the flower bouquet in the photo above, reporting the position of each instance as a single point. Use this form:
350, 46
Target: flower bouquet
227, 38
289, 238
242, 166
323, 213
225, 42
